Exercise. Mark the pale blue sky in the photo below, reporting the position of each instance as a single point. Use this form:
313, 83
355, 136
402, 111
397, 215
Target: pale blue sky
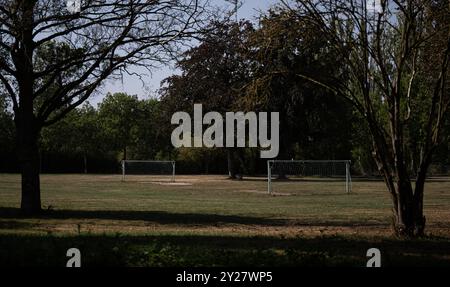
132, 85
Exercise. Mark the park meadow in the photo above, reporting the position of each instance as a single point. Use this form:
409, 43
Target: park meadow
202, 221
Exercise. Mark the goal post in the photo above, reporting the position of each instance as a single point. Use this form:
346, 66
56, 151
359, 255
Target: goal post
336, 169
148, 167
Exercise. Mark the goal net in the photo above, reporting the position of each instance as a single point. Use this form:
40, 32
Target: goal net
158, 168
333, 170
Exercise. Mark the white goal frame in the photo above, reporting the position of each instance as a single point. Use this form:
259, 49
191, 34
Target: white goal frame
123, 163
348, 177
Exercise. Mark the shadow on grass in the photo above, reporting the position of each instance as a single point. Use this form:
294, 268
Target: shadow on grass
167, 218
301, 179
12, 224
331, 179
196, 251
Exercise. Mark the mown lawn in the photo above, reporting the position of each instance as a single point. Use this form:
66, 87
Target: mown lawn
211, 221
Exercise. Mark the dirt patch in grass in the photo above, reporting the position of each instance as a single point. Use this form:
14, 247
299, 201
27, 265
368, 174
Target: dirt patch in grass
254, 191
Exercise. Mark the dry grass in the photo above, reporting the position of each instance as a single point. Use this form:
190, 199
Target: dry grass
212, 221
212, 205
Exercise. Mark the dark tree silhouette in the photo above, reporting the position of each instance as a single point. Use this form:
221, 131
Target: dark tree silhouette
105, 38
213, 73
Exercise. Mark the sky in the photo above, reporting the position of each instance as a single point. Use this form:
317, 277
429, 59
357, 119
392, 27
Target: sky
133, 85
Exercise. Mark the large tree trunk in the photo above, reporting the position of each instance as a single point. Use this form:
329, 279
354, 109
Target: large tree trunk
31, 193
28, 155
408, 218
27, 125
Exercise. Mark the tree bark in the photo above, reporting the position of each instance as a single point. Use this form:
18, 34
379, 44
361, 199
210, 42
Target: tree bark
419, 192
28, 155
27, 125
408, 221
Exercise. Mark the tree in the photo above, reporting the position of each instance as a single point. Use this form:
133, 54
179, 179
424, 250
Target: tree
153, 131
313, 122
213, 74
105, 39
77, 134
87, 133
119, 114
395, 59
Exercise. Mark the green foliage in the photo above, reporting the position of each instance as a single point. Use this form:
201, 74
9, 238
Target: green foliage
121, 124
201, 160
153, 133
79, 135
314, 122
119, 114
214, 72
239, 68
133, 127
78, 132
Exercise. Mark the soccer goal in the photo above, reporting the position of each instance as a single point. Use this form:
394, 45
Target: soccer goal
334, 170
148, 167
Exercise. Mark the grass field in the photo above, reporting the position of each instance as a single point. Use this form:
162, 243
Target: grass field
212, 221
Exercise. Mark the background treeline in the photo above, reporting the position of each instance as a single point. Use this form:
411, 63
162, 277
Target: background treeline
234, 67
